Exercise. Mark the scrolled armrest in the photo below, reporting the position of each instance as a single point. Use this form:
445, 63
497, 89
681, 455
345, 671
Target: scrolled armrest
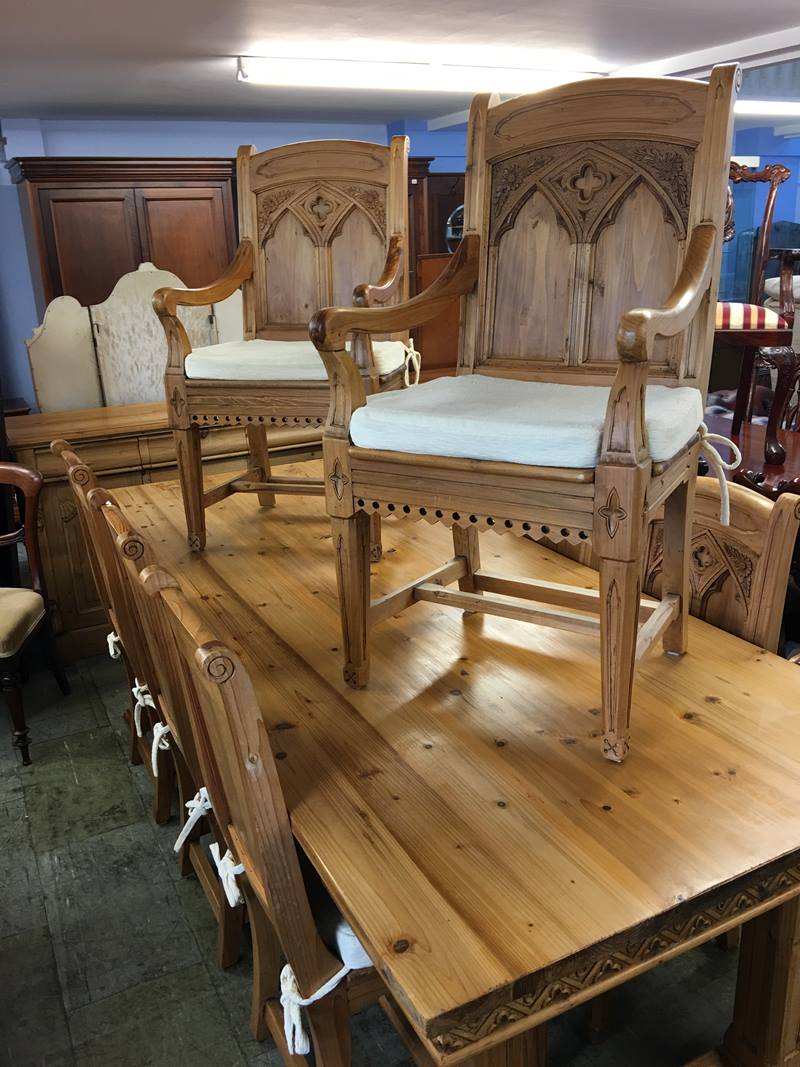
639, 328
330, 326
366, 295
167, 301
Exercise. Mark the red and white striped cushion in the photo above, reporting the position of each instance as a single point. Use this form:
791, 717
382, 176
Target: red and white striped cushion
748, 317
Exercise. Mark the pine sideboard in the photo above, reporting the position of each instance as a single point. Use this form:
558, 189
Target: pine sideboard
125, 445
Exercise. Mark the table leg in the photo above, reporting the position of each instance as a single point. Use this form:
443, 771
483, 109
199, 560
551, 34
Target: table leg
766, 1017
525, 1050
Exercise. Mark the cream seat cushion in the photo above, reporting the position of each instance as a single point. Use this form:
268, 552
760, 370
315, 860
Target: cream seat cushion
20, 612
269, 361
539, 423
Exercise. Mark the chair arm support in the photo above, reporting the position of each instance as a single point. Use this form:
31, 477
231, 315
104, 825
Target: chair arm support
167, 301
330, 326
366, 295
639, 328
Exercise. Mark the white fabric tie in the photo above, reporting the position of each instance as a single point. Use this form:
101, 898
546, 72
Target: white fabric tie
159, 742
227, 869
719, 466
296, 1037
412, 360
114, 645
144, 699
199, 806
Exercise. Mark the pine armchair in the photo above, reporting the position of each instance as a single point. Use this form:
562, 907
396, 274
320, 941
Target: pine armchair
588, 272
318, 222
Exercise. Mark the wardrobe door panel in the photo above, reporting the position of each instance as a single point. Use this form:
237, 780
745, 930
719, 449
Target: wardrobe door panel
91, 238
186, 231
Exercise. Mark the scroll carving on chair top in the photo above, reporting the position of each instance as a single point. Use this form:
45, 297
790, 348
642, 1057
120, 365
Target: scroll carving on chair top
588, 181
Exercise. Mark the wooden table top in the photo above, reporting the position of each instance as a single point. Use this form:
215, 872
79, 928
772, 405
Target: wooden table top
459, 809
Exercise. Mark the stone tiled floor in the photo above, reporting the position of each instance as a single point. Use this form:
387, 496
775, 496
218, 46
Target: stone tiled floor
106, 953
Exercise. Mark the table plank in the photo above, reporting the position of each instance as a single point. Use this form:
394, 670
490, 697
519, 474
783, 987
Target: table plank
459, 808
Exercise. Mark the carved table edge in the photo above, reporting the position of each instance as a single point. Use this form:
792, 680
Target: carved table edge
477, 1026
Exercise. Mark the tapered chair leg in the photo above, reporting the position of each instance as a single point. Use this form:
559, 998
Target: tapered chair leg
164, 787
675, 570
375, 543
259, 460
229, 933
351, 550
190, 470
744, 392
267, 958
329, 1019
466, 543
11, 684
620, 584
50, 654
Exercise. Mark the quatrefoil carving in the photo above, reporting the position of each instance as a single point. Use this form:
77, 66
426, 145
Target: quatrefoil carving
320, 208
587, 182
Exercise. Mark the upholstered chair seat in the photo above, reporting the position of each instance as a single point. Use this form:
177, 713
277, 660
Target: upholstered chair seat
270, 361
543, 424
21, 611
733, 316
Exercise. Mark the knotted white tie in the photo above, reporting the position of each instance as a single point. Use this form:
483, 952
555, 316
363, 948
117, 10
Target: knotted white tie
114, 645
144, 699
198, 807
413, 360
159, 742
296, 1037
227, 869
719, 466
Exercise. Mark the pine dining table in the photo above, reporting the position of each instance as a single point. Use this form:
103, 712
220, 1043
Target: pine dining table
496, 868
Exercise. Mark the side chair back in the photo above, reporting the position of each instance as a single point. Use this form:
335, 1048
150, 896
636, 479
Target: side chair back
584, 198
241, 776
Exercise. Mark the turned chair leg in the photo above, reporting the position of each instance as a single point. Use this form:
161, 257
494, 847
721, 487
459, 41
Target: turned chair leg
259, 460
351, 550
329, 1020
190, 470
51, 657
620, 584
676, 571
375, 543
11, 685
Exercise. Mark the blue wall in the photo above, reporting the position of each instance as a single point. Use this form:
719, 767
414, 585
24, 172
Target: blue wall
152, 137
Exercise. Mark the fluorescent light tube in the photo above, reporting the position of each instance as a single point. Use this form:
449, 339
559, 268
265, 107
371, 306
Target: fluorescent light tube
411, 76
766, 108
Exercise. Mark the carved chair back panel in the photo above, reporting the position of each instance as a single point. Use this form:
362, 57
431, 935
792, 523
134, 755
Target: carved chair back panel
584, 197
320, 215
738, 573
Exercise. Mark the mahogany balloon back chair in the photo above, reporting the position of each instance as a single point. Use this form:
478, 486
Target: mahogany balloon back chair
763, 335
588, 271
318, 221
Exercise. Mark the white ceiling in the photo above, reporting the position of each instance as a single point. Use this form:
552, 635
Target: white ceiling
175, 57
